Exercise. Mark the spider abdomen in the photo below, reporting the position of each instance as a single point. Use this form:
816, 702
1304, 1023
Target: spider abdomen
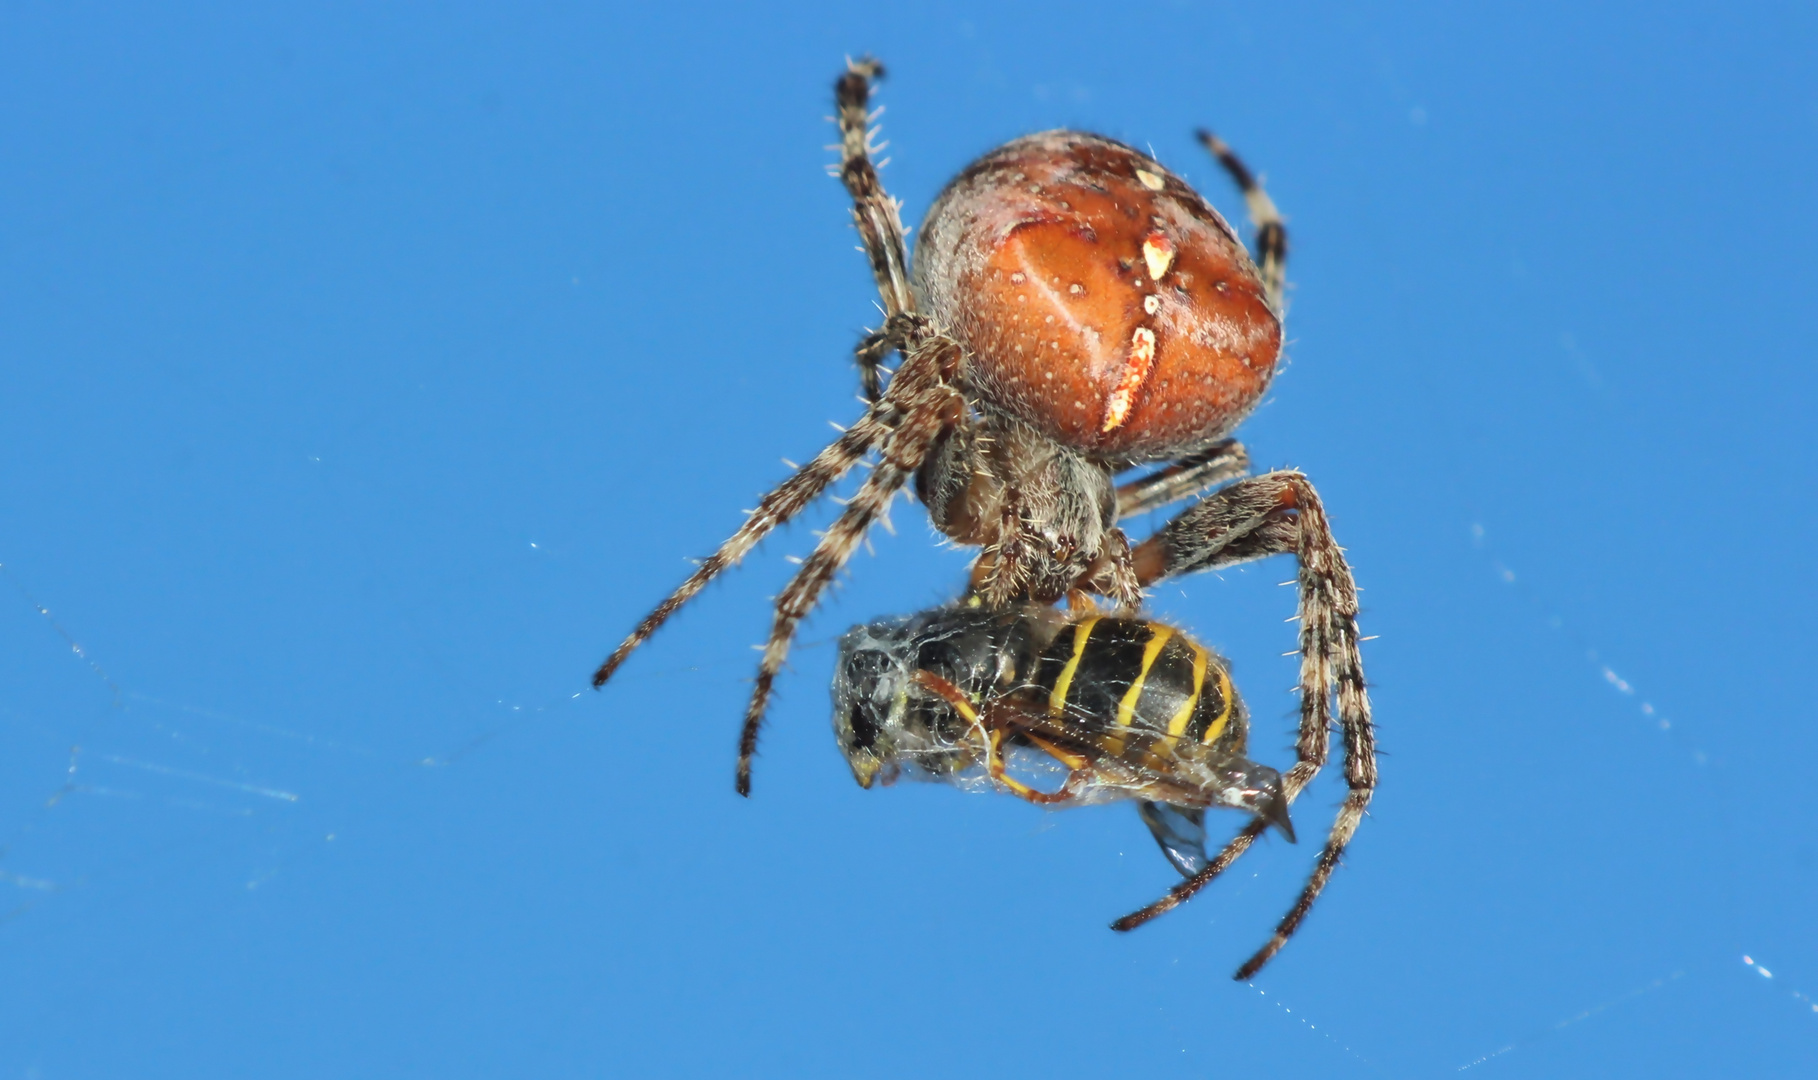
1098, 296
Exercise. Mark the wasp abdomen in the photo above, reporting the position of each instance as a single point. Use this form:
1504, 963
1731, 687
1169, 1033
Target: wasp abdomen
1143, 683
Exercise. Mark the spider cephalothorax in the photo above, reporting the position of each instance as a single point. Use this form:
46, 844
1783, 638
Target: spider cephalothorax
1075, 309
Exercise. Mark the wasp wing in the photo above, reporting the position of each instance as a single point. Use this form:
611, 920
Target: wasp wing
1180, 832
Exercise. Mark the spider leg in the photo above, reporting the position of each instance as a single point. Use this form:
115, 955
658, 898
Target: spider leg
875, 213
869, 356
1274, 514
784, 502
1251, 519
1190, 476
1271, 231
928, 405
882, 230
1183, 892
900, 331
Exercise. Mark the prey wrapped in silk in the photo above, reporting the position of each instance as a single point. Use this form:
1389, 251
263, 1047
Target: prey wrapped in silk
1059, 709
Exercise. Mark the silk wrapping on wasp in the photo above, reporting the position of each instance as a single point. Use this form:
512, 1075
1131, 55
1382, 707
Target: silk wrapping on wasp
1118, 708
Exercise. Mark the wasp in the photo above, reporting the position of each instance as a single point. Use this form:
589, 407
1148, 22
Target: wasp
1119, 708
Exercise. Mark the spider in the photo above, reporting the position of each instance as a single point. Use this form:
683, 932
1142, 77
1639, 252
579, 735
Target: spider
1074, 310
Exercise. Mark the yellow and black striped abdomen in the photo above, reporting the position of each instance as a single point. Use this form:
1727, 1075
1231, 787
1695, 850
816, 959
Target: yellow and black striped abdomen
1136, 681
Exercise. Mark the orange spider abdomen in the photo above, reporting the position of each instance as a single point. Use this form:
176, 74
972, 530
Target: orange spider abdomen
1099, 298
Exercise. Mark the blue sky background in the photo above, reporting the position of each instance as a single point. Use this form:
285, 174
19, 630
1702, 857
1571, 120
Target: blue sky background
368, 370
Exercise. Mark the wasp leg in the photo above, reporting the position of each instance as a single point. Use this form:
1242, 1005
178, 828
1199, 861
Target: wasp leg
994, 744
1081, 768
1065, 757
994, 763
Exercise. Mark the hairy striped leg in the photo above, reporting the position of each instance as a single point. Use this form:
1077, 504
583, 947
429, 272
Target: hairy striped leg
1221, 462
879, 222
783, 503
774, 509
929, 405
875, 214
1271, 232
869, 356
903, 420
1273, 514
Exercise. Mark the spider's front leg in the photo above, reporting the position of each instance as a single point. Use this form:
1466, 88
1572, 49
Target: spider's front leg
921, 403
1280, 513
875, 213
878, 220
